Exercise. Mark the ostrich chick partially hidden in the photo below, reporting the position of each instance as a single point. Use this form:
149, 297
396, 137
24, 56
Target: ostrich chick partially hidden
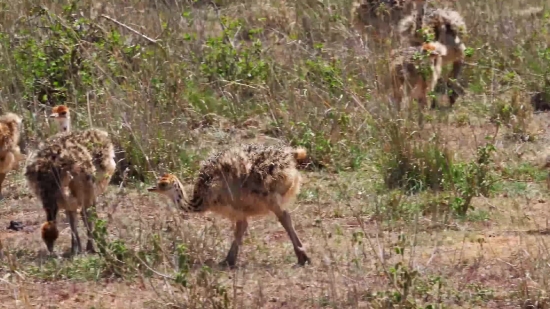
10, 154
414, 71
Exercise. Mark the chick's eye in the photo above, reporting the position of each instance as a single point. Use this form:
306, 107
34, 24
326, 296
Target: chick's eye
163, 185
63, 113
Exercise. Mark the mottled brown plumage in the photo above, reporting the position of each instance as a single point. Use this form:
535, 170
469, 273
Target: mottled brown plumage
414, 71
10, 154
62, 176
69, 171
443, 25
96, 141
439, 23
242, 182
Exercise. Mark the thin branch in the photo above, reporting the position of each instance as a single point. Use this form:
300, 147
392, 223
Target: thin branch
153, 41
154, 271
89, 109
225, 34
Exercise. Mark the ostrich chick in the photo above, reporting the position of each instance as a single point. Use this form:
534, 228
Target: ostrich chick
62, 176
68, 172
242, 182
415, 71
445, 26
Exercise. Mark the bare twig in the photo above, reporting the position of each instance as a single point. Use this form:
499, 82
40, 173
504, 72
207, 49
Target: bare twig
89, 110
154, 271
153, 41
225, 35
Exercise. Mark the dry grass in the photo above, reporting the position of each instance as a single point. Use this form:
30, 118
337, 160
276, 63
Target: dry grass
183, 88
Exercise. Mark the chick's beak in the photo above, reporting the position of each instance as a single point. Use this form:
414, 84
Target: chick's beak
152, 189
54, 115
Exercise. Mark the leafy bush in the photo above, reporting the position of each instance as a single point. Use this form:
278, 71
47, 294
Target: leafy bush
413, 164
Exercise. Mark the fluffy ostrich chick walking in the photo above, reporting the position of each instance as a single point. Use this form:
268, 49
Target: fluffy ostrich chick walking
241, 182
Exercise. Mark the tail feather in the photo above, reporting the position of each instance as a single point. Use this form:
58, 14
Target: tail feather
9, 136
299, 153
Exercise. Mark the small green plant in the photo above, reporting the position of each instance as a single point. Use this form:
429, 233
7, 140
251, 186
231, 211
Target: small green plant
326, 74
415, 165
78, 269
472, 179
223, 62
410, 163
407, 284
